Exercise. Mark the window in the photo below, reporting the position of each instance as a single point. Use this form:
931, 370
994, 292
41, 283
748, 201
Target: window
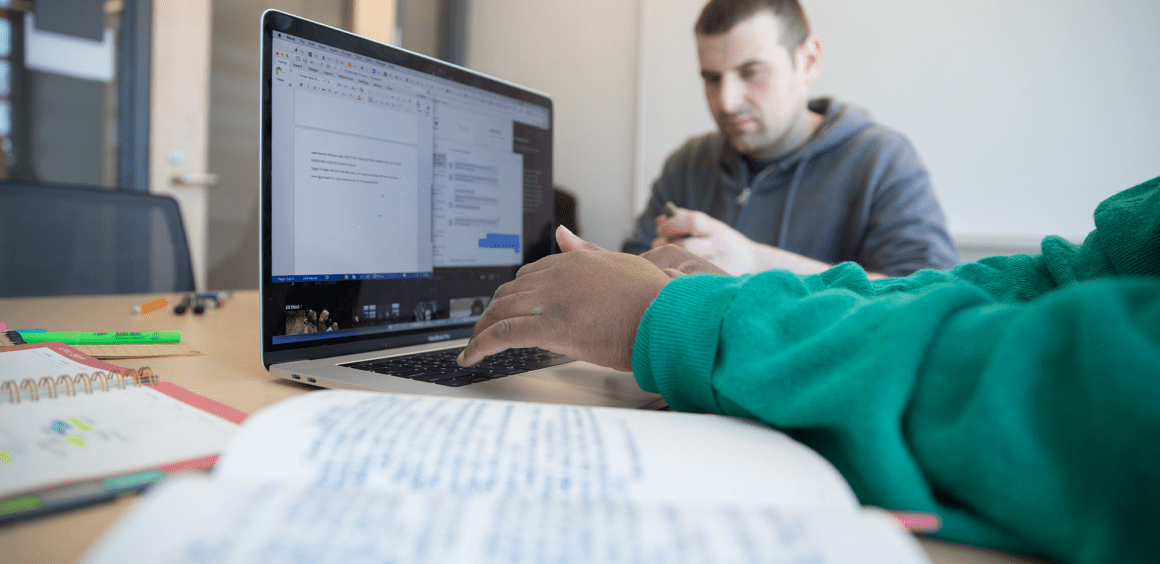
74, 92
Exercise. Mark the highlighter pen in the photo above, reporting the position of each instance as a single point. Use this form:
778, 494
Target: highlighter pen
150, 306
76, 495
110, 338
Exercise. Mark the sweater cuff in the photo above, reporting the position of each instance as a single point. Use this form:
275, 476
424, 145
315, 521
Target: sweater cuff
676, 343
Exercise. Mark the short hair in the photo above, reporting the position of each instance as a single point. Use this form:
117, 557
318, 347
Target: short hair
719, 16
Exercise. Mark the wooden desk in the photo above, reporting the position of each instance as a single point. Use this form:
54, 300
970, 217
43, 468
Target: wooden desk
230, 372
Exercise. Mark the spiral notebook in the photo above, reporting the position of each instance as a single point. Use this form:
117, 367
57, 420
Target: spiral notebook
70, 425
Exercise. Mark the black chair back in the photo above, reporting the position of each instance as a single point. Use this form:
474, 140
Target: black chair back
71, 240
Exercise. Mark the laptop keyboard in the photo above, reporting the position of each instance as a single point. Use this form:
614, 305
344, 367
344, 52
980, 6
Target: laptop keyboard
439, 367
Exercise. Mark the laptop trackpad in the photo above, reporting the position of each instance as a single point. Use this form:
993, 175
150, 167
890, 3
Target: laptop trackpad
588, 375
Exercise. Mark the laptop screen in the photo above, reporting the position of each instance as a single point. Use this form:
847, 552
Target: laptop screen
398, 192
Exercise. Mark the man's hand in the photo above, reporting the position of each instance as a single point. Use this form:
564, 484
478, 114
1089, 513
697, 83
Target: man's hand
586, 303
707, 238
727, 248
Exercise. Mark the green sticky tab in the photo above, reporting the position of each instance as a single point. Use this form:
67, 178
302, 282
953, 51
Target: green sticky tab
133, 480
79, 424
4, 456
77, 441
18, 504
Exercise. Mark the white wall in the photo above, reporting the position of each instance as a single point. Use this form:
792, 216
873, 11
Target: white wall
584, 54
672, 98
1027, 112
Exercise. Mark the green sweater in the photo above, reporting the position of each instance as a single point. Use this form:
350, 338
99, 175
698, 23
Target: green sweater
1017, 397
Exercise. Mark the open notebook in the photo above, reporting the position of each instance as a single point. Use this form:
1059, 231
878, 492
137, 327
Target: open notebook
76, 430
352, 477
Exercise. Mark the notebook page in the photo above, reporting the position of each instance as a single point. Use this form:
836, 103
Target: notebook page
105, 433
402, 442
224, 520
38, 360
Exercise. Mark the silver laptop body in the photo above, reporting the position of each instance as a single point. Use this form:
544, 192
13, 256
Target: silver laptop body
397, 193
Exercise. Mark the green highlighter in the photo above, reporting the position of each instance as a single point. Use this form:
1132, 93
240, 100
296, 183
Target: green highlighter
109, 338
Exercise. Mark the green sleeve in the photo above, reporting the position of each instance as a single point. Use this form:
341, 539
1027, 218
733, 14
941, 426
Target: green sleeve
1020, 399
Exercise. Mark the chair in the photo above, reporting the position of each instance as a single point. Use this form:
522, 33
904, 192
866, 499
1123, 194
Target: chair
68, 240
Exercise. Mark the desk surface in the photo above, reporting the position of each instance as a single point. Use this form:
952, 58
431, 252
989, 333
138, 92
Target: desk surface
229, 372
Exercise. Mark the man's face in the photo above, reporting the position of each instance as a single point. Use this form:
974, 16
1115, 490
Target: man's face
756, 88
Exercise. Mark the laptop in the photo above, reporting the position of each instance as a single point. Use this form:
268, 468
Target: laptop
397, 193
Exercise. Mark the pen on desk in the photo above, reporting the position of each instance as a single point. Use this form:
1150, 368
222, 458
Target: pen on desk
199, 301
150, 306
75, 495
182, 305
14, 337
213, 300
108, 338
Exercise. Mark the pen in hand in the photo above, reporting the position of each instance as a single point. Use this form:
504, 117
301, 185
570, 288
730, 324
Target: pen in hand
671, 210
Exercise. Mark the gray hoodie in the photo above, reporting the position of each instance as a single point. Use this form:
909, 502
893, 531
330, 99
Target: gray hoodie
855, 191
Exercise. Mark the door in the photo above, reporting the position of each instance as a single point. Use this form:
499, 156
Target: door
179, 116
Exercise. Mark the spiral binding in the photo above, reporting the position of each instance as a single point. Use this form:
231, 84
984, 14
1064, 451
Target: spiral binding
73, 385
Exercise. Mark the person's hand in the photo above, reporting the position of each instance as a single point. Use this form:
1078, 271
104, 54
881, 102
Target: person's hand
709, 239
715, 242
585, 302
675, 261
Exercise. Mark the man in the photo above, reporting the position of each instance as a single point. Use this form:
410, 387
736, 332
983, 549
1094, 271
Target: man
1017, 397
786, 182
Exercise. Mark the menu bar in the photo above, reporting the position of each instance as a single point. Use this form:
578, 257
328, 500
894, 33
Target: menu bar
356, 70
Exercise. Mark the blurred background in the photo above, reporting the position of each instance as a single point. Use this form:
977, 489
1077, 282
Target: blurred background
1026, 112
